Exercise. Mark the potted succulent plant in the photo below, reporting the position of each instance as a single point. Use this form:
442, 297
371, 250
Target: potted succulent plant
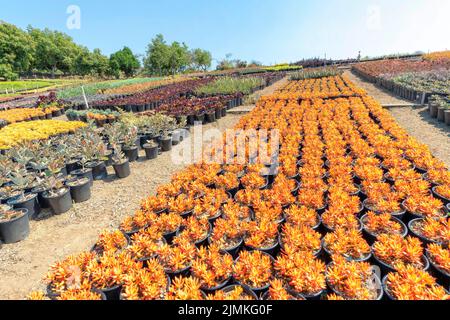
57, 194
146, 284
121, 164
213, 269
254, 270
22, 181
302, 273
14, 224
130, 148
176, 259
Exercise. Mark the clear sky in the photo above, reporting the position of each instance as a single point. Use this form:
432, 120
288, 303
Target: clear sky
269, 31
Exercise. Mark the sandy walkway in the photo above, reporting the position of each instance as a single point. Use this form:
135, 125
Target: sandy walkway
23, 265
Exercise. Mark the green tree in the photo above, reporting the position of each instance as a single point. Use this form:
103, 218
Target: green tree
201, 59
179, 58
124, 61
16, 51
157, 57
54, 51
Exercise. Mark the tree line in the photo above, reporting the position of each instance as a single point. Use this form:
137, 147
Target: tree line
34, 51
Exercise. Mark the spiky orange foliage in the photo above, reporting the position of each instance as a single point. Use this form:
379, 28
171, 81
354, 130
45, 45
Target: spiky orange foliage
168, 223
146, 284
440, 256
145, 244
154, 204
379, 224
302, 272
301, 216
80, 295
278, 292
253, 180
69, 273
140, 220
395, 250
111, 242
194, 230
353, 280
226, 181
261, 234
110, 270
236, 294
254, 269
300, 239
410, 283
248, 197
348, 243
425, 206
311, 198
178, 256
444, 190
181, 204
185, 289
433, 229
212, 267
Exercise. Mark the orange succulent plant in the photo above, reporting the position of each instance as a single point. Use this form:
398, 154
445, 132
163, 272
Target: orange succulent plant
212, 267
185, 289
439, 256
347, 243
410, 283
379, 224
301, 272
150, 283
254, 269
352, 280
111, 242
395, 251
178, 256
437, 230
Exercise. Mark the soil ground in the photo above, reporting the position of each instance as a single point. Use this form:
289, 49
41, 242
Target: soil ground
23, 265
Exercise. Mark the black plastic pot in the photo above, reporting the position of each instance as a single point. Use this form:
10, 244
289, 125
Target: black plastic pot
84, 173
31, 205
112, 294
151, 152
15, 230
186, 272
79, 192
211, 117
176, 137
200, 118
170, 236
99, 171
122, 170
131, 153
60, 204
234, 251
166, 144
218, 113
43, 203
73, 166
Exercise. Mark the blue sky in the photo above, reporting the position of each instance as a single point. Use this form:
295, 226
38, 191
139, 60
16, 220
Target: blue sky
269, 31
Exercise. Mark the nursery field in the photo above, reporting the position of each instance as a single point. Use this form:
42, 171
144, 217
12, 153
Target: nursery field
320, 185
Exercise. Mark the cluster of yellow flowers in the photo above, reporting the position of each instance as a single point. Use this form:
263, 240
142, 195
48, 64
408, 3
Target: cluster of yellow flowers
35, 130
25, 114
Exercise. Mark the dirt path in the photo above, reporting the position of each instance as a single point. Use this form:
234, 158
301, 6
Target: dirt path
23, 265
425, 129
415, 120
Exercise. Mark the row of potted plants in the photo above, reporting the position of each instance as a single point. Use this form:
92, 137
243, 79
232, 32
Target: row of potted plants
439, 107
101, 117
287, 223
